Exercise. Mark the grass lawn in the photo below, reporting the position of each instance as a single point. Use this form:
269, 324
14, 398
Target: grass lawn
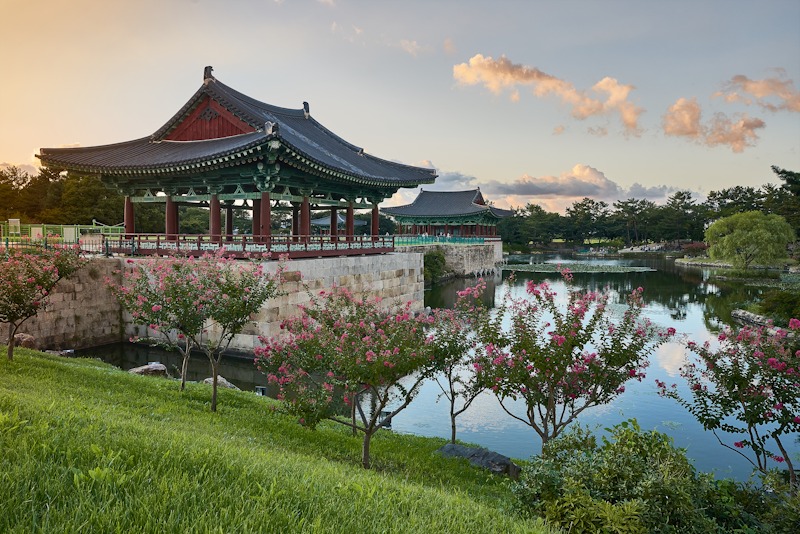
85, 447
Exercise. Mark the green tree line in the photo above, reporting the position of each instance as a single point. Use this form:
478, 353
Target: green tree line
635, 221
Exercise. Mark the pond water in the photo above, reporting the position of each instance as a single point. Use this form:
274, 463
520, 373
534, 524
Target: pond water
675, 296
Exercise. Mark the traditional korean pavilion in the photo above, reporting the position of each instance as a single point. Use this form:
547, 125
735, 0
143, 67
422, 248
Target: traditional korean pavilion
223, 147
455, 213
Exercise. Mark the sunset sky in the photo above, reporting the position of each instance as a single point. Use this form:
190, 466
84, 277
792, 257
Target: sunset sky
543, 102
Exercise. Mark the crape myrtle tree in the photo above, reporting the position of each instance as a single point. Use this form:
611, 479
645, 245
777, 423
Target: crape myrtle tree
341, 353
749, 237
560, 359
27, 278
198, 303
747, 384
454, 342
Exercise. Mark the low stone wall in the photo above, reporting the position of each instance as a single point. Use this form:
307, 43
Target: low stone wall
81, 312
84, 313
466, 260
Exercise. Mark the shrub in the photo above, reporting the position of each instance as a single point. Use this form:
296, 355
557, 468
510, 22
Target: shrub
634, 481
435, 265
780, 305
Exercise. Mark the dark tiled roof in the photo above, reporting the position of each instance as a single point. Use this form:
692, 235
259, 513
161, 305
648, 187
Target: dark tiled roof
326, 221
142, 154
296, 129
445, 204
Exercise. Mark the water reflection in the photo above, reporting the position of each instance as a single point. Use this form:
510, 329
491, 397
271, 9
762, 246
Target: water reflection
676, 296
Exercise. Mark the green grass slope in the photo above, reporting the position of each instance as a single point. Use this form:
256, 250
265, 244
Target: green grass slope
85, 447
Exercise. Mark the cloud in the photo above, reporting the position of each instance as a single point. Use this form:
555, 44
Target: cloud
330, 3
32, 170
560, 129
556, 193
772, 94
608, 96
411, 47
598, 131
449, 47
447, 181
684, 119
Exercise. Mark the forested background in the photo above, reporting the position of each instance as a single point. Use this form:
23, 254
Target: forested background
52, 198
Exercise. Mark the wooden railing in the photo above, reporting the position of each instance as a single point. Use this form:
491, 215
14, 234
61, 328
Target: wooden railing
273, 247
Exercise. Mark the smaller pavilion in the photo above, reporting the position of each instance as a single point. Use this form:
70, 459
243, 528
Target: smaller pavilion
454, 213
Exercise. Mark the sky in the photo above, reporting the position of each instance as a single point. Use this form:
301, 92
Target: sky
542, 102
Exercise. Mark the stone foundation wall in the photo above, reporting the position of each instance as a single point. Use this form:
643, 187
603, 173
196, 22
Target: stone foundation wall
81, 313
466, 260
84, 313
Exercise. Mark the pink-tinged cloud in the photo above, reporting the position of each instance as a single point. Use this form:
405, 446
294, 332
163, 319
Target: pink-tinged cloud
608, 95
411, 47
773, 94
560, 129
556, 193
449, 47
684, 119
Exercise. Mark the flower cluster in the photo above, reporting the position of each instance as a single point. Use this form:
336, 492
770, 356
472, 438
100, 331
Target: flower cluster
560, 360
26, 280
747, 383
341, 349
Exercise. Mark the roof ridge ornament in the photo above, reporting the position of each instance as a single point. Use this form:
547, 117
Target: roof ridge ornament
207, 73
271, 128
306, 110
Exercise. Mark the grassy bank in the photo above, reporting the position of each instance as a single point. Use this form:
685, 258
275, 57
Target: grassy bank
88, 448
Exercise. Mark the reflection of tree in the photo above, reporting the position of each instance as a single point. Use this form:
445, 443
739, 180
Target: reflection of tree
675, 288
444, 295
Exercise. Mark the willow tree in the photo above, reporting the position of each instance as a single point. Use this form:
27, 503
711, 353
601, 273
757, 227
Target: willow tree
749, 237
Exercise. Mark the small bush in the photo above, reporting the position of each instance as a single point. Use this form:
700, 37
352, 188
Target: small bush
780, 305
435, 265
637, 481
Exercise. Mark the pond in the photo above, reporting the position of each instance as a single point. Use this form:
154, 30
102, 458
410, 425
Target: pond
675, 296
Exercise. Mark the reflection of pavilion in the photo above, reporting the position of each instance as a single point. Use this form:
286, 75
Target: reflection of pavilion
223, 147
456, 213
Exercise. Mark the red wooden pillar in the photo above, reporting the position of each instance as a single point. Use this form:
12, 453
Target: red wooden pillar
334, 225
266, 215
229, 223
295, 221
214, 223
375, 222
129, 218
350, 222
171, 219
256, 217
305, 218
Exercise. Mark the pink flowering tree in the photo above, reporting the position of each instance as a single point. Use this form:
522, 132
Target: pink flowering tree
747, 384
561, 359
195, 303
454, 342
349, 361
27, 278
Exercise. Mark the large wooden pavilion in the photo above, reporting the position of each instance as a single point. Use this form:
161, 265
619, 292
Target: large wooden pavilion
452, 213
224, 149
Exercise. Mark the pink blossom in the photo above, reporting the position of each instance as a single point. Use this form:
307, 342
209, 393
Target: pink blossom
156, 308
738, 444
794, 324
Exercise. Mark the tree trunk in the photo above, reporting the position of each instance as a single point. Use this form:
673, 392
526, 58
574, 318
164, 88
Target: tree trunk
214, 385
12, 329
452, 428
365, 450
184, 367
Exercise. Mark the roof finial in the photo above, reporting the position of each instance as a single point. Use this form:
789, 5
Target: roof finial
306, 111
207, 73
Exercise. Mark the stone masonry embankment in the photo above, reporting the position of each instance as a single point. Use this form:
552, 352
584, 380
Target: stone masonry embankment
465, 260
83, 312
